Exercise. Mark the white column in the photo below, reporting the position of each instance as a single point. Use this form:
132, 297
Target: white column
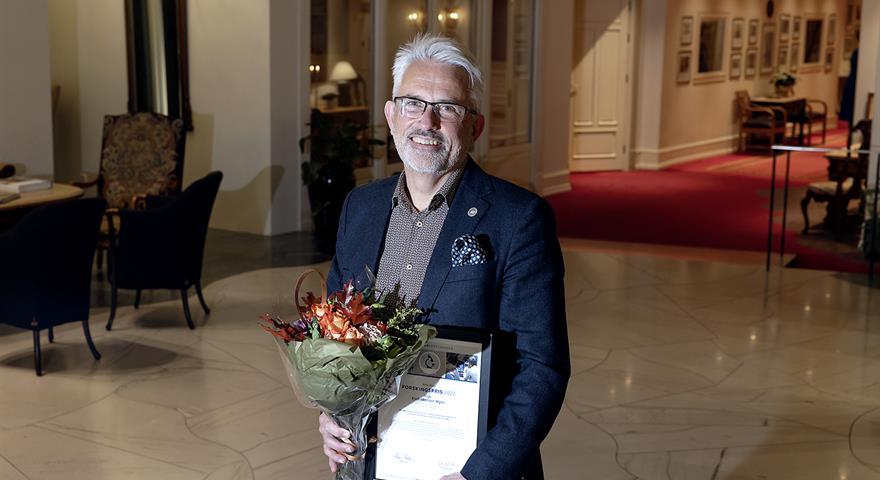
875, 131
25, 92
868, 53
554, 30
289, 45
651, 35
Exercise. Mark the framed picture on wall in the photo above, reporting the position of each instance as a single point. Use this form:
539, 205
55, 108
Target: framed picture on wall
782, 57
796, 28
687, 30
753, 31
738, 33
832, 28
751, 62
784, 27
829, 59
735, 65
768, 48
795, 52
683, 74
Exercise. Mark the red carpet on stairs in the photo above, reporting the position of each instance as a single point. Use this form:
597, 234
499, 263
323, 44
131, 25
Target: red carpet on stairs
719, 202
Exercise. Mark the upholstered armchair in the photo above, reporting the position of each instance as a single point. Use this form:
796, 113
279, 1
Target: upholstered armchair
162, 245
847, 172
758, 121
141, 154
47, 269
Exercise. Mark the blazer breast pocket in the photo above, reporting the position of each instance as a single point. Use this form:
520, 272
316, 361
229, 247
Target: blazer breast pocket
482, 271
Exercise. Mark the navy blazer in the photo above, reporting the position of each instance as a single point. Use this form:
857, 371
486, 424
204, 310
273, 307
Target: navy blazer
519, 290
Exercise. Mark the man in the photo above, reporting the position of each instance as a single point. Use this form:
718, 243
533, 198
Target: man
472, 249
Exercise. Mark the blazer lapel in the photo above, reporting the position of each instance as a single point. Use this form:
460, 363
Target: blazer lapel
467, 209
371, 238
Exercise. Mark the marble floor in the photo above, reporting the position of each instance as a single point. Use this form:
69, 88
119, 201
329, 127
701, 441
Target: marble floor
683, 369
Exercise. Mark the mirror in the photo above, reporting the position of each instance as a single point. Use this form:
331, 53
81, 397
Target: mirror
711, 45
812, 41
158, 72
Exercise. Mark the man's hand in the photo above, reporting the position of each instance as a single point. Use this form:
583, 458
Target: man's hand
333, 445
453, 476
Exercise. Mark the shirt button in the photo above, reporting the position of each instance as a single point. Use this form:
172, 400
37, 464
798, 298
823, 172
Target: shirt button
419, 224
409, 266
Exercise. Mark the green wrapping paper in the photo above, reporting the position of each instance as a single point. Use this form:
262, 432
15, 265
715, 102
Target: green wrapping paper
337, 378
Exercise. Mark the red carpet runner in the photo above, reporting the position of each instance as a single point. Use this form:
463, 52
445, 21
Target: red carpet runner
719, 202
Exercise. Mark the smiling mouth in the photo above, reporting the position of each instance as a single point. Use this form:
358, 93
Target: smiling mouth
425, 141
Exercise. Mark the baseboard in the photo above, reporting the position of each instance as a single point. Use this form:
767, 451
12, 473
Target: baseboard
559, 181
554, 189
648, 159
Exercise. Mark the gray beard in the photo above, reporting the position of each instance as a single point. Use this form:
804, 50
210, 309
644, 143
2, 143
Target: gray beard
439, 162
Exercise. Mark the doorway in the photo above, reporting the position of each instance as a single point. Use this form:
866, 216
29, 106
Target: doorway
601, 89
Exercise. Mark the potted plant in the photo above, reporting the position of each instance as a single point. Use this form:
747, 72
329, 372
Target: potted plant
784, 83
334, 147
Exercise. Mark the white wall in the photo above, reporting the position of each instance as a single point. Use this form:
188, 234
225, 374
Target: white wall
245, 84
289, 81
64, 55
868, 54
555, 30
103, 78
699, 118
229, 86
874, 159
25, 92
648, 115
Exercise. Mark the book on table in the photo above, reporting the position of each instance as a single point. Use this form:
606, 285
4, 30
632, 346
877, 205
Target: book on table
6, 197
24, 184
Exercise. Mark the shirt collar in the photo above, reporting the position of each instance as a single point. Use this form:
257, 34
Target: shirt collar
446, 192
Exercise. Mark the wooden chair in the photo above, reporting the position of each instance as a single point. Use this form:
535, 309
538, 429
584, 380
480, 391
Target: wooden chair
846, 177
817, 111
141, 154
47, 269
757, 121
162, 245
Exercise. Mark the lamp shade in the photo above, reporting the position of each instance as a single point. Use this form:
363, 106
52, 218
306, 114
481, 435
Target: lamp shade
343, 72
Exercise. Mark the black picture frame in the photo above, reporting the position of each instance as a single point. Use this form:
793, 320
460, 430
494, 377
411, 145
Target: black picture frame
487, 342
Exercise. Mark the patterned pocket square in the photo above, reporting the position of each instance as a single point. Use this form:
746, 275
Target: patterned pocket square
466, 250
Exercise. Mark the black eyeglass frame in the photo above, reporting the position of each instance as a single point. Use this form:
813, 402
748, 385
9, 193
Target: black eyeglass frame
434, 106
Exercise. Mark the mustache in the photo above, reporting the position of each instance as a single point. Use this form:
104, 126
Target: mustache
433, 135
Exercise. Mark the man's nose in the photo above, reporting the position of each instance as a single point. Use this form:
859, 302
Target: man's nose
429, 120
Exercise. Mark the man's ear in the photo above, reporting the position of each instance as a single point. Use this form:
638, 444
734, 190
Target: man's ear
479, 123
389, 113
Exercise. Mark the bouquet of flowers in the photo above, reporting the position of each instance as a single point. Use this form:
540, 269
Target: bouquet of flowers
345, 355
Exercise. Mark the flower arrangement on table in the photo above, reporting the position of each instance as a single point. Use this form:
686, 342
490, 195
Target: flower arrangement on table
783, 82
345, 355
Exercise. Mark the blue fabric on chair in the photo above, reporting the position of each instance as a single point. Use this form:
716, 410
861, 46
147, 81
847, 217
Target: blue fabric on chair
162, 247
47, 269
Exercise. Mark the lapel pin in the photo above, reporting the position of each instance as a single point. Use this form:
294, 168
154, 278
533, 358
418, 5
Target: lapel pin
472, 211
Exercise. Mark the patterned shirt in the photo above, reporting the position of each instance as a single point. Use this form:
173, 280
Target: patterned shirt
410, 240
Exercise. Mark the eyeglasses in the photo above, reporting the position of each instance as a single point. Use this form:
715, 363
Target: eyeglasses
447, 112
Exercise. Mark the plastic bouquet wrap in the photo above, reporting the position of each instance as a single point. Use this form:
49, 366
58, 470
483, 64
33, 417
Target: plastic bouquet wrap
345, 355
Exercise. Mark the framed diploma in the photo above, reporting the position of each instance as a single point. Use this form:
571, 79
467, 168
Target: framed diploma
442, 410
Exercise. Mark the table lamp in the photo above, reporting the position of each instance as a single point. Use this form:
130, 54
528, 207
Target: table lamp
342, 73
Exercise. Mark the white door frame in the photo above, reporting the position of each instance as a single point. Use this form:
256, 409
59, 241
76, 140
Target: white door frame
624, 128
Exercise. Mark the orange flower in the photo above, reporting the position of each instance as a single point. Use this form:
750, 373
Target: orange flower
334, 326
353, 337
319, 310
358, 311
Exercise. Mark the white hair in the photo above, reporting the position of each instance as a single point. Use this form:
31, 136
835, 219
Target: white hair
434, 48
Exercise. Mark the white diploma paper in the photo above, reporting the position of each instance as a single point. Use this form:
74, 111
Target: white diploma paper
430, 429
